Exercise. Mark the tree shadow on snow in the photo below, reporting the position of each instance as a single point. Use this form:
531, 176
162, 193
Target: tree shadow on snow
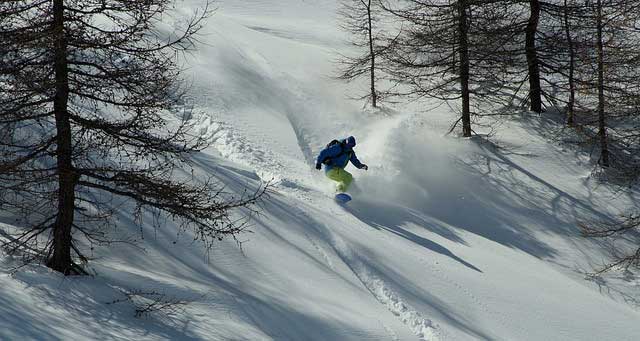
388, 217
84, 301
488, 194
511, 205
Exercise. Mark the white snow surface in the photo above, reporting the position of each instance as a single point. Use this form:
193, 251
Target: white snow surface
445, 239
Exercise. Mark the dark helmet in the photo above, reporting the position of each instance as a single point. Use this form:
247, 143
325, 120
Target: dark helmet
350, 141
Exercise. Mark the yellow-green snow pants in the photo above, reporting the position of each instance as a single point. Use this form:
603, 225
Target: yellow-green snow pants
342, 177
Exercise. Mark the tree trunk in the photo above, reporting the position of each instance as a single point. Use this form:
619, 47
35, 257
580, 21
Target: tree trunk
602, 128
374, 95
464, 67
572, 87
535, 91
61, 260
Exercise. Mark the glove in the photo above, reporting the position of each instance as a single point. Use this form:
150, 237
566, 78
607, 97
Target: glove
318, 166
365, 167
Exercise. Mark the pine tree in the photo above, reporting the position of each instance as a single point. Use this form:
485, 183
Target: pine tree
571, 51
452, 50
359, 18
614, 58
557, 45
535, 88
89, 94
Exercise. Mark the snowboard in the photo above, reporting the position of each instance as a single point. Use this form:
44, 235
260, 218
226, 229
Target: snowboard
343, 198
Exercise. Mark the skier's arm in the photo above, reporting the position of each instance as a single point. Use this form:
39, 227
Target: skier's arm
327, 153
322, 157
354, 160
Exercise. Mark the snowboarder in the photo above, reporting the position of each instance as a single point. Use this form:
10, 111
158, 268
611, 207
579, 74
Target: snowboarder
335, 158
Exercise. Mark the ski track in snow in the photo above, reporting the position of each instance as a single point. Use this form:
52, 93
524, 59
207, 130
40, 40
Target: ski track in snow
226, 140
321, 251
301, 135
422, 327
501, 318
477, 301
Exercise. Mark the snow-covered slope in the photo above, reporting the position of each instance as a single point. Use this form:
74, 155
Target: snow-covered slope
446, 239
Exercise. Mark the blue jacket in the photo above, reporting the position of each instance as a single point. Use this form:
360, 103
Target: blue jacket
339, 155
